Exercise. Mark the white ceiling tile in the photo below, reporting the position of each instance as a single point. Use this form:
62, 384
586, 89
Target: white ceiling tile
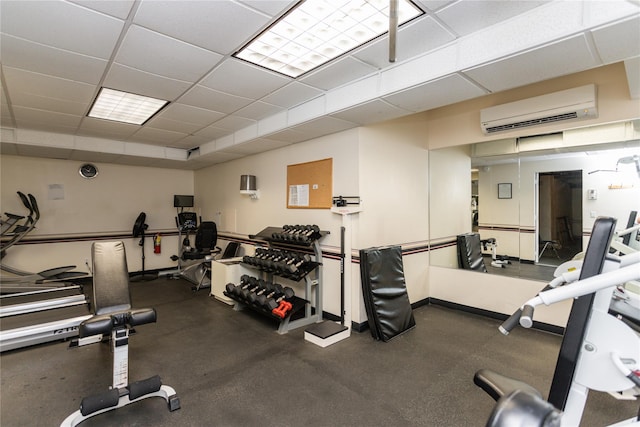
414, 38
433, 4
119, 9
435, 94
468, 17
619, 41
27, 116
190, 114
432, 66
292, 94
215, 25
175, 125
258, 110
270, 7
211, 132
233, 123
322, 126
63, 25
200, 96
154, 136
243, 79
534, 28
33, 100
337, 73
600, 12
371, 112
20, 53
48, 86
554, 60
141, 83
288, 135
106, 128
171, 58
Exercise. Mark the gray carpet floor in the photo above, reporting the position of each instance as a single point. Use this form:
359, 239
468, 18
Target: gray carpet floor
232, 369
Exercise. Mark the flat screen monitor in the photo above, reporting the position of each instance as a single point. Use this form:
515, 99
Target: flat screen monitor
182, 201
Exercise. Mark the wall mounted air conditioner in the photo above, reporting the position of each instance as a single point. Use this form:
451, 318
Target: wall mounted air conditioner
571, 104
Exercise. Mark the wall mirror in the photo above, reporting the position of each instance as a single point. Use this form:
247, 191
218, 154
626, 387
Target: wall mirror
532, 200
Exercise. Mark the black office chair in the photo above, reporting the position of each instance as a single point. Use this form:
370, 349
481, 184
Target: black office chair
114, 316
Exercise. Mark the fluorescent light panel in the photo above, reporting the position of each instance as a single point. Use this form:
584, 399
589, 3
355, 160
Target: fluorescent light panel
125, 107
317, 31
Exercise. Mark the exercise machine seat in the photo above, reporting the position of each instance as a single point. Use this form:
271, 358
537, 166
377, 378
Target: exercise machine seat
524, 409
497, 385
206, 240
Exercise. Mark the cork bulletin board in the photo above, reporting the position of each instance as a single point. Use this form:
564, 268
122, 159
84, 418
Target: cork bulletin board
310, 185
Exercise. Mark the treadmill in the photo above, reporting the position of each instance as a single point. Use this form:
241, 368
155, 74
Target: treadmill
30, 318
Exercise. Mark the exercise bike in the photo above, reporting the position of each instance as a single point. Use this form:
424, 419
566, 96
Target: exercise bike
194, 262
598, 352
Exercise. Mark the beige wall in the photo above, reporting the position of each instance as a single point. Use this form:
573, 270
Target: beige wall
107, 204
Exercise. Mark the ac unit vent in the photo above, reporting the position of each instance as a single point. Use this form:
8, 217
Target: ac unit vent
534, 122
571, 104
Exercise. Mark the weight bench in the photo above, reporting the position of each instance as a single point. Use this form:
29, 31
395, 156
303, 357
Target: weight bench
114, 315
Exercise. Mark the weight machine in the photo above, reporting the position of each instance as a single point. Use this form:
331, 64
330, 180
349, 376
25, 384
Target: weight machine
598, 352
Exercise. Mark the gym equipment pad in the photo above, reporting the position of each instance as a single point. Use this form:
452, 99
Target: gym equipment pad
385, 293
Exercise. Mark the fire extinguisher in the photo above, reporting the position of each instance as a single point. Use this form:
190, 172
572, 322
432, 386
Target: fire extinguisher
157, 247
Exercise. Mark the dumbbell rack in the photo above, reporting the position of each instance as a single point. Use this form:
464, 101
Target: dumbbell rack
302, 313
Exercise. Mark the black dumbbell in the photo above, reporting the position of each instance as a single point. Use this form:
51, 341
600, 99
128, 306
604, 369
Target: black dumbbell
274, 301
236, 289
255, 285
276, 288
266, 289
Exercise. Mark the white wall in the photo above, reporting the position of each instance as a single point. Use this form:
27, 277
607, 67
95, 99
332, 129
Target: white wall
106, 205
218, 197
386, 165
394, 186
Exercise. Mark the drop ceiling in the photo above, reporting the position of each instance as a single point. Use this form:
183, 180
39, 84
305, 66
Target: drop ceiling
56, 55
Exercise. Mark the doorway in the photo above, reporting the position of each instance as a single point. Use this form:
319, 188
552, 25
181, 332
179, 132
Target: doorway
559, 225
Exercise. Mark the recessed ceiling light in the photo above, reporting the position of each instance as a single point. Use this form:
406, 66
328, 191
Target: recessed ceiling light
317, 31
125, 107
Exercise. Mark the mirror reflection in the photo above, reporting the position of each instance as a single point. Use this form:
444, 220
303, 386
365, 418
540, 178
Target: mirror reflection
522, 206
